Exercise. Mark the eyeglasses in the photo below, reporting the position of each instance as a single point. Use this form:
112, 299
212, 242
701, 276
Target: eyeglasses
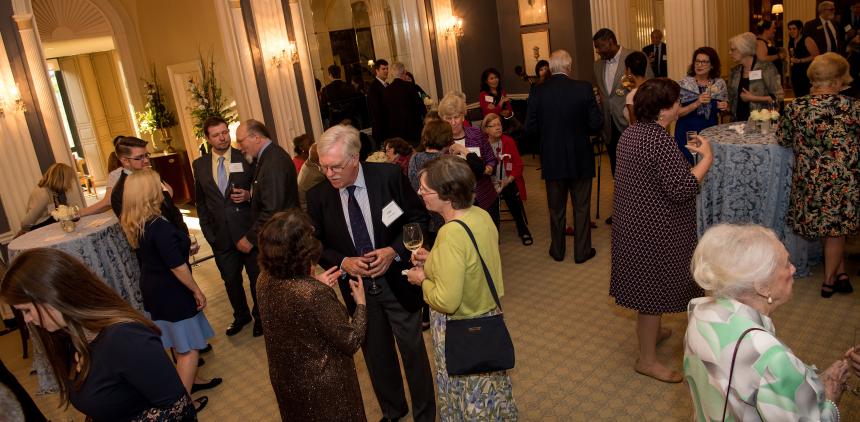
423, 192
334, 169
703, 62
139, 157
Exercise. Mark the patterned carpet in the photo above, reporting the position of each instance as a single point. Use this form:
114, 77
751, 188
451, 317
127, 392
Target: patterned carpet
575, 347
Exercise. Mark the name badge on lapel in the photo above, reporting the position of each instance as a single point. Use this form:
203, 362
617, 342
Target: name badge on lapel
489, 99
755, 75
236, 168
390, 213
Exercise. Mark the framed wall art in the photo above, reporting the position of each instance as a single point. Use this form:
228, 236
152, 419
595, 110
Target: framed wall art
535, 47
532, 12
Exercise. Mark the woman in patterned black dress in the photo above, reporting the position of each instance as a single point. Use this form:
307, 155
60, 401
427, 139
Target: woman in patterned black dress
654, 220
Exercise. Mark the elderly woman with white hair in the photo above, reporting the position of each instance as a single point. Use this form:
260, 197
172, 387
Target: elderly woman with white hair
735, 365
753, 83
822, 128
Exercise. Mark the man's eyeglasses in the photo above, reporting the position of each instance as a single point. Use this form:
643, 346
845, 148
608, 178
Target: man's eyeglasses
334, 169
139, 157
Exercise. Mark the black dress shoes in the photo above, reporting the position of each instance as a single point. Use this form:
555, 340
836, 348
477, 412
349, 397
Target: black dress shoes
258, 328
591, 254
214, 382
206, 349
236, 326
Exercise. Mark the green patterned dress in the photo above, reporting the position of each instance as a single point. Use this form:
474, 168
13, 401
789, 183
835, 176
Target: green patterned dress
769, 384
823, 130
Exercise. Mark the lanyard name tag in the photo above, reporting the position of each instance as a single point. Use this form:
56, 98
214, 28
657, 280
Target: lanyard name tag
489, 98
390, 213
755, 75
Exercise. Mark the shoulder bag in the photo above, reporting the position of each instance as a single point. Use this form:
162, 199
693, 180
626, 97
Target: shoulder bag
732, 368
482, 344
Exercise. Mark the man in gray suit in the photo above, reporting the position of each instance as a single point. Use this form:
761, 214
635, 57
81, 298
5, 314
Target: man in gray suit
225, 216
608, 71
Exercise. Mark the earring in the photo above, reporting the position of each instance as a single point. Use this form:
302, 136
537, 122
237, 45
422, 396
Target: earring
769, 299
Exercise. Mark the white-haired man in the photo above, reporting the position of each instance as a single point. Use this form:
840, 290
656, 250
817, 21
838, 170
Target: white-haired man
567, 161
404, 107
358, 217
827, 34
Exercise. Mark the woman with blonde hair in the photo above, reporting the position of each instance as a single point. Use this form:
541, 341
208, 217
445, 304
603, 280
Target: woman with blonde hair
823, 129
170, 294
107, 357
58, 186
452, 109
736, 367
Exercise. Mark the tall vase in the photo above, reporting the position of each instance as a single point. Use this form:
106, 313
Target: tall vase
165, 137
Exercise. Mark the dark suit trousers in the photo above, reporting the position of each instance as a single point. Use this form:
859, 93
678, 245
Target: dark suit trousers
230, 263
387, 321
556, 196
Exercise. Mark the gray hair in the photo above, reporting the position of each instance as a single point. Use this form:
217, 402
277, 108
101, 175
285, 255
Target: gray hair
745, 43
452, 104
340, 135
825, 4
731, 259
397, 69
560, 62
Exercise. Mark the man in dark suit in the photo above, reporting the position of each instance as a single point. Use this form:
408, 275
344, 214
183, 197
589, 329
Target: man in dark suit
404, 107
133, 156
376, 102
828, 35
359, 216
338, 98
656, 52
273, 187
225, 217
562, 114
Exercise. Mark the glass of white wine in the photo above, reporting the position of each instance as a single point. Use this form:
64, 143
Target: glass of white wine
413, 239
194, 247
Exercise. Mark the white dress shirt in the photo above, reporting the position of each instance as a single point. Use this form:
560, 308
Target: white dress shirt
609, 70
363, 202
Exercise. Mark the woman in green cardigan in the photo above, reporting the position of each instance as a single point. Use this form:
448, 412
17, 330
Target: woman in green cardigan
455, 287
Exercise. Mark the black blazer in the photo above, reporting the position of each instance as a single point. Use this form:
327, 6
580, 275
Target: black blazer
815, 29
562, 113
404, 111
376, 105
273, 189
648, 50
169, 210
222, 221
385, 183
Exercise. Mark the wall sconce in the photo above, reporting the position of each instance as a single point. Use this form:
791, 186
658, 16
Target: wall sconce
776, 9
10, 99
288, 52
454, 27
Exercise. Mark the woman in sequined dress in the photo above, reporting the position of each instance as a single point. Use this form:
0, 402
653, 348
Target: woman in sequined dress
310, 340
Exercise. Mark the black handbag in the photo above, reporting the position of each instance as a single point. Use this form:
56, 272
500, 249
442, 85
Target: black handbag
482, 344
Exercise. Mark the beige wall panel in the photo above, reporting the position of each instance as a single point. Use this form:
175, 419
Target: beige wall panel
109, 87
81, 103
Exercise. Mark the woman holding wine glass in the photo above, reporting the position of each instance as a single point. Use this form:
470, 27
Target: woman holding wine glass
703, 97
454, 285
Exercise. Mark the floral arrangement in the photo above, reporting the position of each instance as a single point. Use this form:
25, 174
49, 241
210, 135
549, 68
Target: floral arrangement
207, 98
764, 114
155, 114
64, 213
377, 157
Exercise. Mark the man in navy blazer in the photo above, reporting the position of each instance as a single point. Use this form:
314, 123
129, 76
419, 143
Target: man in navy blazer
562, 113
225, 217
363, 206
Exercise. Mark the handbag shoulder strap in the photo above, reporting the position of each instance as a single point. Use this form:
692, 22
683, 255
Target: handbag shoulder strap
732, 368
483, 264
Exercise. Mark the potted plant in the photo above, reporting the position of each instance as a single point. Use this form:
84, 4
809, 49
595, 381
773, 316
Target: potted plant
207, 100
155, 115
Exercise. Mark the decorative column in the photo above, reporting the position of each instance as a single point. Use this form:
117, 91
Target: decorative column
281, 80
379, 30
446, 45
238, 57
643, 23
42, 89
615, 15
20, 170
306, 64
413, 24
401, 43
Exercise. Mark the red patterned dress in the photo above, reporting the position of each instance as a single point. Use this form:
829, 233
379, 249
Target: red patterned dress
653, 223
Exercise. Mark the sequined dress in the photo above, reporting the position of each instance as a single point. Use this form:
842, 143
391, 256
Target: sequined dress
310, 343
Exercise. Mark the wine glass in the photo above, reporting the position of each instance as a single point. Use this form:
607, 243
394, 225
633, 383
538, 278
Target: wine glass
194, 248
691, 140
412, 236
76, 213
374, 288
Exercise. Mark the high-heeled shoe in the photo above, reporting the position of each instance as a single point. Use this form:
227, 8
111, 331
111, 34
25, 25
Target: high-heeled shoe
827, 291
843, 284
